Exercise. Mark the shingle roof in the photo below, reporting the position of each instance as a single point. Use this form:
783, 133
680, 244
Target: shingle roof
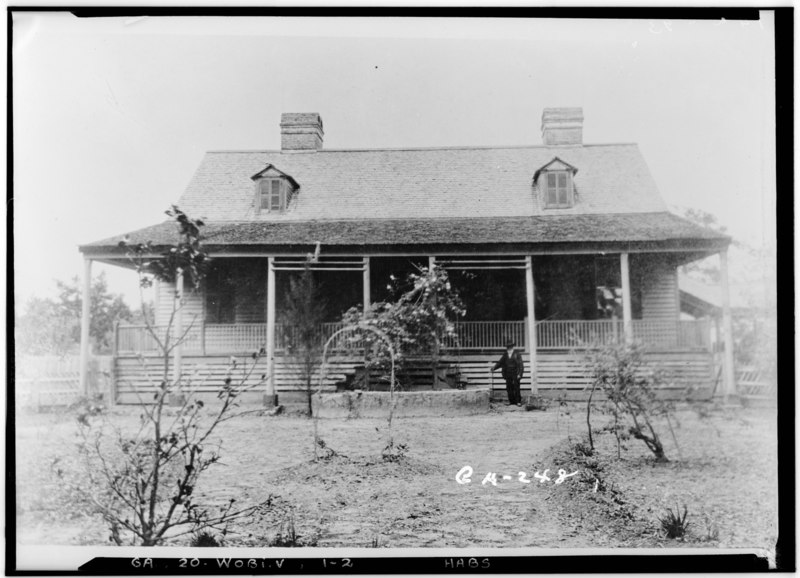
422, 183
661, 227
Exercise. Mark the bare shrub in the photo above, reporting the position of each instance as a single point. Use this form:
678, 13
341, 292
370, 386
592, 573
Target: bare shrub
143, 483
630, 387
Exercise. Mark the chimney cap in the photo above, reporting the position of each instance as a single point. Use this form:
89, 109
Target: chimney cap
564, 113
562, 126
301, 118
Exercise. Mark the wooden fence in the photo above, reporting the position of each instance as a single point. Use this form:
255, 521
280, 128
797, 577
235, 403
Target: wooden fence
51, 380
750, 383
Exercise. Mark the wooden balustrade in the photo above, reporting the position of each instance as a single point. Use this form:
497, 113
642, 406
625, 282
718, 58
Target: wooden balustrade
662, 335
469, 335
577, 334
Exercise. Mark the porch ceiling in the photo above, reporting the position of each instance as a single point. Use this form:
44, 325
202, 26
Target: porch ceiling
639, 231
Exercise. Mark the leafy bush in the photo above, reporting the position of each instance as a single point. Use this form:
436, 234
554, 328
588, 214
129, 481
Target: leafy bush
673, 524
394, 452
417, 323
328, 452
205, 539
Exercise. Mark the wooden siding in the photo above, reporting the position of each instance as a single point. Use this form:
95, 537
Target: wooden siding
559, 374
137, 379
660, 292
249, 307
192, 308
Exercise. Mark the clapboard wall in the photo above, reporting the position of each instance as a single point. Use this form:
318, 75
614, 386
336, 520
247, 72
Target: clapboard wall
658, 279
559, 374
137, 379
249, 306
165, 296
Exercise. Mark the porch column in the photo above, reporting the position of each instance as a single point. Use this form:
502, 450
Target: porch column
156, 298
179, 331
431, 262
529, 289
86, 308
367, 301
270, 397
366, 297
727, 330
626, 298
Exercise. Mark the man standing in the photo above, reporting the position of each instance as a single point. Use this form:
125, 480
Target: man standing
511, 363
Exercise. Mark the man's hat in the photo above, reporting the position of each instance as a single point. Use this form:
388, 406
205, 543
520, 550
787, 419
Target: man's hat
510, 343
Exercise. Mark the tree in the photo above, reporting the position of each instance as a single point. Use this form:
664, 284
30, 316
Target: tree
105, 309
753, 281
43, 329
143, 483
54, 325
304, 311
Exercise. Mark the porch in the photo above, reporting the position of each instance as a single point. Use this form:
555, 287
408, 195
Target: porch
553, 305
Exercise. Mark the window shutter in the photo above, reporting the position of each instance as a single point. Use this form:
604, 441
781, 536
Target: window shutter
265, 189
275, 196
257, 202
562, 188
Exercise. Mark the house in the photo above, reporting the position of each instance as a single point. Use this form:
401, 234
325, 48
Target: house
566, 243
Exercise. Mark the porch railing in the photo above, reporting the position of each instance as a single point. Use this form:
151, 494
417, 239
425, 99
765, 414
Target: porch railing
486, 335
211, 339
576, 334
652, 333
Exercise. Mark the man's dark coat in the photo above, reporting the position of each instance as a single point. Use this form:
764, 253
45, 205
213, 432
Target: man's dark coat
513, 366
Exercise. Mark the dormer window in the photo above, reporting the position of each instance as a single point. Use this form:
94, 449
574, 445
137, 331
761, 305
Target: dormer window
274, 190
555, 181
558, 189
272, 194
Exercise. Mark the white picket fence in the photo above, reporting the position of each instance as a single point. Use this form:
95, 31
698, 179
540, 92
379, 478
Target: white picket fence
51, 380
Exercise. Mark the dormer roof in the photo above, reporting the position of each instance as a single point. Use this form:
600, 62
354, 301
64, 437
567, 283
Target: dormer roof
271, 171
555, 165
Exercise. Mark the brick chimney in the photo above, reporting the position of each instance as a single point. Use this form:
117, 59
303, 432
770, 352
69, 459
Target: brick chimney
562, 126
301, 131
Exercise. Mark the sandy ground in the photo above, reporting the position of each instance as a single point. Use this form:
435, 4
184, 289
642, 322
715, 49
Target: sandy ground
357, 499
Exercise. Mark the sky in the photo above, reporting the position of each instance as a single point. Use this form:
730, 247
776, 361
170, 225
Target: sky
113, 115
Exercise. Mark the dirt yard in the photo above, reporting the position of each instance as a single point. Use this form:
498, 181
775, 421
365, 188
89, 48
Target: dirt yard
723, 470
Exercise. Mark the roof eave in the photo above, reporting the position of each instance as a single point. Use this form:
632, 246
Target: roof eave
690, 249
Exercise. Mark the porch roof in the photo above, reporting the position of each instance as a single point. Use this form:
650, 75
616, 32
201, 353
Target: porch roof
656, 231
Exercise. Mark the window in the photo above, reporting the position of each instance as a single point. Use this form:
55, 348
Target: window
272, 195
274, 190
558, 189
